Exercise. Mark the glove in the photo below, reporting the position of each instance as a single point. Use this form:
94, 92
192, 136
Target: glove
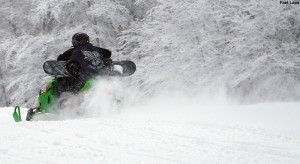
73, 67
107, 61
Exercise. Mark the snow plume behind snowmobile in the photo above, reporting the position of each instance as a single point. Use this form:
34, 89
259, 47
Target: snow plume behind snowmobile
48, 99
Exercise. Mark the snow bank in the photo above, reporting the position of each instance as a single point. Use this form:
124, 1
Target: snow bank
180, 133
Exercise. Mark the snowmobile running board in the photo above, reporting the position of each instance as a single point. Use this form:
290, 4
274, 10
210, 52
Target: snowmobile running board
17, 114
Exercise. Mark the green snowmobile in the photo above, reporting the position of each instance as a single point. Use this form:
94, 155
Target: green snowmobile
48, 101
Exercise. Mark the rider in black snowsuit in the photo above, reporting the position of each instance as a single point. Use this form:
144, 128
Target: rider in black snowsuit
84, 61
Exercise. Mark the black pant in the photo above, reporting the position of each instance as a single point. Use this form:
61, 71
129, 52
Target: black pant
69, 84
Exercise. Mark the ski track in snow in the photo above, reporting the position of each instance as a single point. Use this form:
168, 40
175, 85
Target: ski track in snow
142, 137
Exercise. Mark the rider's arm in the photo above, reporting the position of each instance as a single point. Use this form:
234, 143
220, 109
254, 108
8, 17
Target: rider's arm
105, 52
65, 56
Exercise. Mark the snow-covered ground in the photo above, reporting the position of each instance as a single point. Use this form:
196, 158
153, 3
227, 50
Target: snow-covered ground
159, 132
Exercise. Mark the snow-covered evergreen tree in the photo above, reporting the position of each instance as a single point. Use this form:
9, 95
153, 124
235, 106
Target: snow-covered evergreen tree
248, 48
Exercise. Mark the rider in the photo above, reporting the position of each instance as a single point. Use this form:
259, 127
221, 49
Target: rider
84, 61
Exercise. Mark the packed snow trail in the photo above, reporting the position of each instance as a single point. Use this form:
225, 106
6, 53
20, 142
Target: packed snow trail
265, 133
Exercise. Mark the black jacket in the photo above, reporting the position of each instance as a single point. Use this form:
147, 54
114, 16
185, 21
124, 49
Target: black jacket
66, 55
89, 58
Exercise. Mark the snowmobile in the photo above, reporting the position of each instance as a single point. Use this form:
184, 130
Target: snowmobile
48, 99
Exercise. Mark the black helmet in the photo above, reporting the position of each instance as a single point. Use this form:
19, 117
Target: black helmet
79, 39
